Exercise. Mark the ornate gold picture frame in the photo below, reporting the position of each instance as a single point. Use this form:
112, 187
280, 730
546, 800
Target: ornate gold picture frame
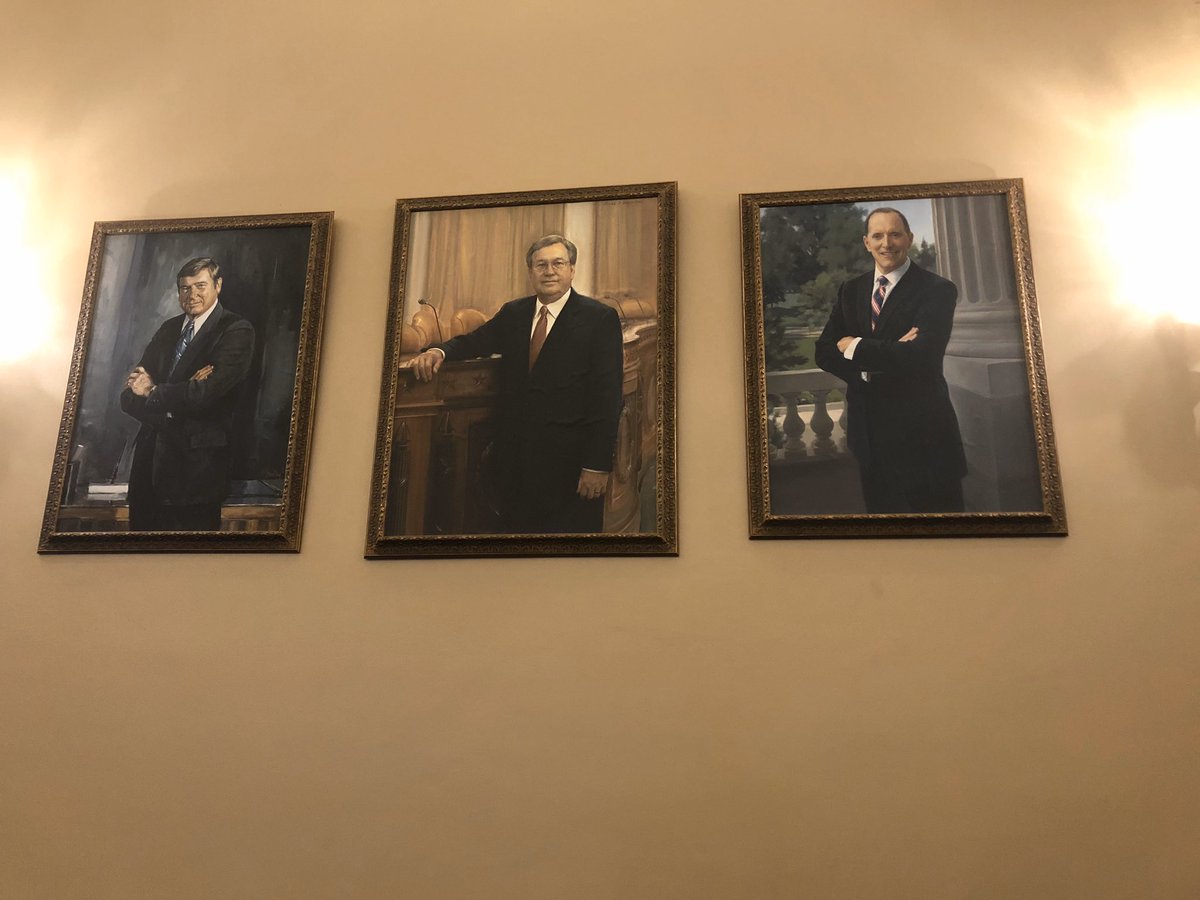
481, 457
196, 442
913, 408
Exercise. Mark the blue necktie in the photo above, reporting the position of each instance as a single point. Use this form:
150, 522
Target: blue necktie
184, 339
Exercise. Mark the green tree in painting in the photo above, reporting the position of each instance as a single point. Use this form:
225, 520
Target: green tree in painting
808, 252
787, 247
925, 255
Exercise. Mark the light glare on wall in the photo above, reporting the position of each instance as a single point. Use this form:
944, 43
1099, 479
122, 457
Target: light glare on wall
1155, 218
24, 308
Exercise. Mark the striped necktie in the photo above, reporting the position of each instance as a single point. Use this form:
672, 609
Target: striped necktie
184, 339
877, 301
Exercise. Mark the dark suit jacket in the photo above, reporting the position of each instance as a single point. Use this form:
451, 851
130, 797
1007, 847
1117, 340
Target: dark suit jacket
183, 456
561, 417
901, 419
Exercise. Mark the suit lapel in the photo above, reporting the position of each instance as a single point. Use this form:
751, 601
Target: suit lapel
199, 347
163, 354
559, 334
863, 303
900, 297
522, 329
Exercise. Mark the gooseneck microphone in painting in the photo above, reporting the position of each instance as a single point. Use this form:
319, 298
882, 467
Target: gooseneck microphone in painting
538, 418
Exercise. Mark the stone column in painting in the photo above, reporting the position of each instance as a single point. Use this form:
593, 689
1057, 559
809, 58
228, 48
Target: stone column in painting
985, 360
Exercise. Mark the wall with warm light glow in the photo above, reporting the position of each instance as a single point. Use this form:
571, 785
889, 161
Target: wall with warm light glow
24, 308
1157, 197
902, 719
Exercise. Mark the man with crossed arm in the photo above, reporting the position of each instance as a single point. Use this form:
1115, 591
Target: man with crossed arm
886, 338
183, 391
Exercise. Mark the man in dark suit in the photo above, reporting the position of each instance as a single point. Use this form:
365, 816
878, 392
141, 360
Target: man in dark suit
560, 395
183, 391
886, 338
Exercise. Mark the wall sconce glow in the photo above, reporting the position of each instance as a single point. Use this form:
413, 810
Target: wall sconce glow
24, 307
1152, 223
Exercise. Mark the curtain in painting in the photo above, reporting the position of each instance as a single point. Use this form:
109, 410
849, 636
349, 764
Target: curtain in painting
480, 255
626, 250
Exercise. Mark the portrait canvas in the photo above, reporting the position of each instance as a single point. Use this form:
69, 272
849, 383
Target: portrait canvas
527, 399
188, 413
895, 381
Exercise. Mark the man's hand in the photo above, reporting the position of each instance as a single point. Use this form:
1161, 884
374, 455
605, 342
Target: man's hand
425, 365
140, 382
202, 374
592, 484
844, 343
911, 336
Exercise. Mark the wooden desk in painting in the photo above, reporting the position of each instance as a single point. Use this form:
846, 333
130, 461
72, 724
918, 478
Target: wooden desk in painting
441, 480
114, 516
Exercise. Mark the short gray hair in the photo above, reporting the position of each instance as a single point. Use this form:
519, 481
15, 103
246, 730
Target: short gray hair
548, 241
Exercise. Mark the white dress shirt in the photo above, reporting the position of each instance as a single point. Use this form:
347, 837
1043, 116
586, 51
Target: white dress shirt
198, 321
553, 311
893, 277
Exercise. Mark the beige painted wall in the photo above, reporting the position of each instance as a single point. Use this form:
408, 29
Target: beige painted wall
976, 718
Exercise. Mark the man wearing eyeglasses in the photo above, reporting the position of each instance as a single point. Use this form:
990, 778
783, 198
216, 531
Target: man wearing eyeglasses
183, 391
560, 395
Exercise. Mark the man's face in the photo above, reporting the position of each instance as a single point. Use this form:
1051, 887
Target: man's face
887, 240
198, 293
551, 272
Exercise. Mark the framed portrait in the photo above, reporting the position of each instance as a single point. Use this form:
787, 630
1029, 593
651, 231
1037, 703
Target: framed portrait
528, 398
188, 413
895, 382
